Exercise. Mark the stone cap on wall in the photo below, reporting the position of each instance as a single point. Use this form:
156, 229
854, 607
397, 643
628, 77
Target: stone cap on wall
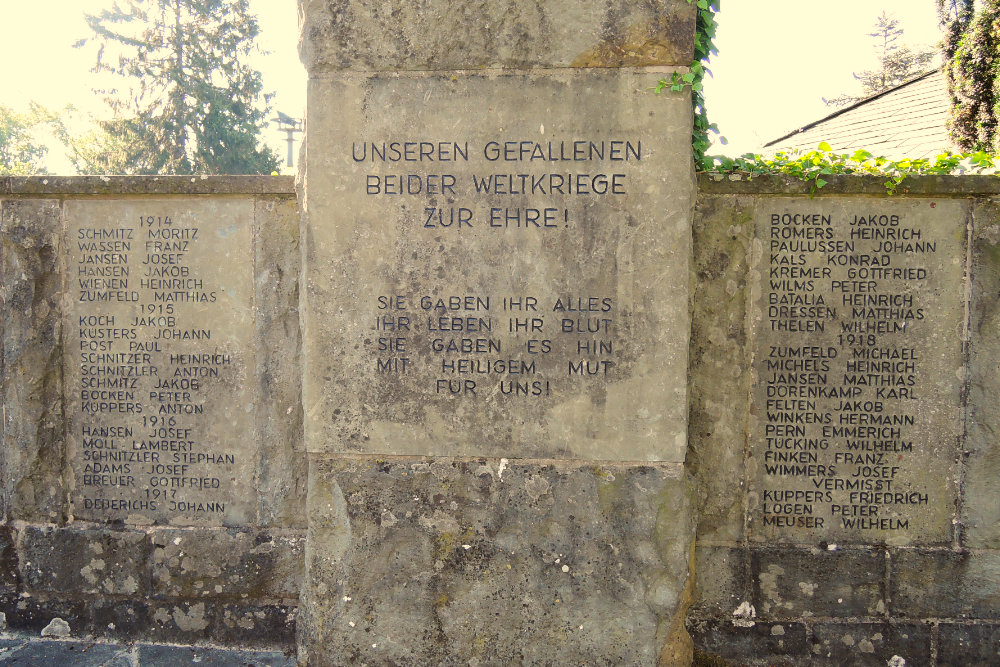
373, 35
147, 185
939, 186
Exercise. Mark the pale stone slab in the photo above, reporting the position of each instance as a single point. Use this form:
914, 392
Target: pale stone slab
447, 322
858, 328
456, 34
159, 363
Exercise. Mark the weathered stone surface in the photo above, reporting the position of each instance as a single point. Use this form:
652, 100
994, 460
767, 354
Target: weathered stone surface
858, 325
610, 255
9, 571
722, 580
493, 561
443, 35
960, 645
91, 654
720, 363
94, 562
980, 502
945, 584
30, 364
181, 622
282, 470
116, 618
255, 626
32, 612
169, 435
221, 564
796, 583
178, 655
719, 640
870, 644
66, 654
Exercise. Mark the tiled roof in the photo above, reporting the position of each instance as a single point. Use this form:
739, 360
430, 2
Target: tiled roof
909, 120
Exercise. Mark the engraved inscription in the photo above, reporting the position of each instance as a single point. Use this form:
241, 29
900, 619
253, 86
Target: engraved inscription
150, 350
857, 354
501, 280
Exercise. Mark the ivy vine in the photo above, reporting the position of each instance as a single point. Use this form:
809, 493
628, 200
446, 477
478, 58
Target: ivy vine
812, 166
809, 166
704, 49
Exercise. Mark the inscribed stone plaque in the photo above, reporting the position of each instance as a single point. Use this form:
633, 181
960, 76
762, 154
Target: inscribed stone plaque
497, 265
858, 322
158, 361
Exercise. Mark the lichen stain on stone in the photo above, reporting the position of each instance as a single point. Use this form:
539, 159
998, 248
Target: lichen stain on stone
440, 522
536, 486
769, 585
192, 620
645, 44
91, 569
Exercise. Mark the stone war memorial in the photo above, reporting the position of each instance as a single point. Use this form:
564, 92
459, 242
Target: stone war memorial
499, 380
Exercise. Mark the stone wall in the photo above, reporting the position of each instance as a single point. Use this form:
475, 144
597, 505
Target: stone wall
193, 533
826, 546
445, 556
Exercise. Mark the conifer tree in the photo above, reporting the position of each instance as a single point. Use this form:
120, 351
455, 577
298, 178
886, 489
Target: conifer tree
897, 64
192, 103
20, 152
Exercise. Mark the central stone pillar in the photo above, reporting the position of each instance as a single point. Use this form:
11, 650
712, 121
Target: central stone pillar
496, 242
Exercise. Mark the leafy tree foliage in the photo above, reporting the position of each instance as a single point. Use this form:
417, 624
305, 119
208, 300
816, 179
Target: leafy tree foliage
20, 153
972, 64
897, 64
192, 104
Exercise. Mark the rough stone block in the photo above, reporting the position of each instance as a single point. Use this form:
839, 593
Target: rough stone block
494, 561
67, 654
181, 621
748, 642
32, 613
961, 644
9, 571
722, 581
255, 626
93, 562
31, 361
200, 655
720, 363
445, 34
870, 644
945, 584
119, 619
792, 583
220, 564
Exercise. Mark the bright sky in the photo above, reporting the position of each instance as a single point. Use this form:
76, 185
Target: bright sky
40, 63
777, 59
